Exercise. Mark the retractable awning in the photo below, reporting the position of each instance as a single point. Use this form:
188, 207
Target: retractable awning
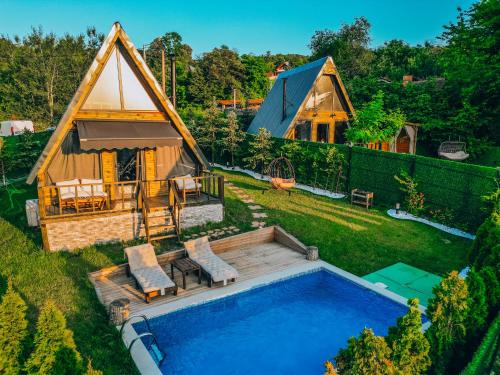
108, 135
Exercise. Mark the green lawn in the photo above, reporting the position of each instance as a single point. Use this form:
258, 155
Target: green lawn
348, 237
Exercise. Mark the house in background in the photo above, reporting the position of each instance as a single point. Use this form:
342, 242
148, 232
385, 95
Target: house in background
15, 127
308, 103
121, 164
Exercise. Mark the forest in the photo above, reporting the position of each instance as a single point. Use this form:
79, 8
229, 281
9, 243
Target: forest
454, 91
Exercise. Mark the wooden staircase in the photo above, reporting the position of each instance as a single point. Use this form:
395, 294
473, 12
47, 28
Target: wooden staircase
160, 224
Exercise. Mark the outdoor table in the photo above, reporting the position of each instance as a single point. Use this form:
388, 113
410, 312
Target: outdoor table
185, 265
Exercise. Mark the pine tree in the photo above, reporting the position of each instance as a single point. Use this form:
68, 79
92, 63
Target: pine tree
410, 348
447, 311
492, 291
233, 135
368, 354
210, 129
478, 313
55, 351
260, 150
13, 331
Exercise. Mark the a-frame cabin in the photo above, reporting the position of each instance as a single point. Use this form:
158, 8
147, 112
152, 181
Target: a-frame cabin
121, 163
308, 103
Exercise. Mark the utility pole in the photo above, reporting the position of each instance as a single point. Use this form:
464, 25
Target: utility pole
163, 70
172, 79
234, 99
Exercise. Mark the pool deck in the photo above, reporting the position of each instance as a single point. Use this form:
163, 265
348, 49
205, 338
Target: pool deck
253, 254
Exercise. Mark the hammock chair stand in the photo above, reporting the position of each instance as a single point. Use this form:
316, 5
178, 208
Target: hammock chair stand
282, 175
453, 150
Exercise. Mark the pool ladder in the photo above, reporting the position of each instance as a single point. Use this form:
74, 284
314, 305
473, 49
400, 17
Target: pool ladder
153, 346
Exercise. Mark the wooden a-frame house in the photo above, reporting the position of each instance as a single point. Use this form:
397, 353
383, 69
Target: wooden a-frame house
121, 163
310, 103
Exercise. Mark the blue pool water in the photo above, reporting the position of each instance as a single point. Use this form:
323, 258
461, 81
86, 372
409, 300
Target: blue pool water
288, 327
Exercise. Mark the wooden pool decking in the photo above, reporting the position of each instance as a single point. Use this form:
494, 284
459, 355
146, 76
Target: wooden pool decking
253, 254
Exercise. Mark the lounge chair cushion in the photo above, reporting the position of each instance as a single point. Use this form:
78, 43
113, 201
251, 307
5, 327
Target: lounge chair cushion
187, 183
93, 184
67, 186
141, 256
72, 195
152, 278
199, 250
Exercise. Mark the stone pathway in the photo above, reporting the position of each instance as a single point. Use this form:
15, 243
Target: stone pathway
247, 199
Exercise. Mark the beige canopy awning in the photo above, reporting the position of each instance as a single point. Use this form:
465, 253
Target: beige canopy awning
108, 135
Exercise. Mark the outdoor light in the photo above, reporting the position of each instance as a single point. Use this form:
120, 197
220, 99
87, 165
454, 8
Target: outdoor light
398, 207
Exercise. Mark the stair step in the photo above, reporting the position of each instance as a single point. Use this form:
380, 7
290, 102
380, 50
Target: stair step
161, 237
166, 226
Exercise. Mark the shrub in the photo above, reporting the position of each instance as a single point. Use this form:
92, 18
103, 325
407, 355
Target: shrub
55, 351
447, 311
410, 348
414, 200
329, 368
13, 331
91, 370
492, 282
478, 311
368, 354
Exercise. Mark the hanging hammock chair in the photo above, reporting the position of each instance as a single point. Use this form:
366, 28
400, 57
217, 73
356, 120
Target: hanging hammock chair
282, 174
453, 150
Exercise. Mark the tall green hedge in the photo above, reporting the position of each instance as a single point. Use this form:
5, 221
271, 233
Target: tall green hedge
485, 355
445, 184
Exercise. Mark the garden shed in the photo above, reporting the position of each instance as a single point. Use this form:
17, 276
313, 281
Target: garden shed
121, 163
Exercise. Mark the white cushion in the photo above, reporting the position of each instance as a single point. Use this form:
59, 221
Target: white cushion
152, 278
66, 186
72, 195
141, 256
89, 184
187, 183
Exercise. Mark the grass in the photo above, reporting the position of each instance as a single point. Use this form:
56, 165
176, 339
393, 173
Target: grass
348, 237
352, 238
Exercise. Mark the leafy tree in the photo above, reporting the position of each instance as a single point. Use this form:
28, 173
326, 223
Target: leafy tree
374, 124
55, 351
13, 331
255, 84
410, 348
348, 47
367, 354
414, 200
210, 129
333, 166
260, 150
478, 311
233, 135
447, 311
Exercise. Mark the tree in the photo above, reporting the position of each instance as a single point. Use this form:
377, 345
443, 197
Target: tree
410, 348
348, 47
13, 331
367, 354
209, 130
492, 281
478, 311
260, 150
447, 311
333, 166
374, 124
256, 83
55, 351
233, 135
91, 370
329, 368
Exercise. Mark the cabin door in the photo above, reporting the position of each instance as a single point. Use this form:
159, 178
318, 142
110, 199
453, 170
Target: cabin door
403, 142
126, 165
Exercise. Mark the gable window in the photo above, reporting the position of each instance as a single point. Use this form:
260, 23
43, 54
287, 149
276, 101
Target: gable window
322, 133
303, 131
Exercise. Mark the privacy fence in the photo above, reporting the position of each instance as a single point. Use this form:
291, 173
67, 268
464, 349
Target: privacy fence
456, 188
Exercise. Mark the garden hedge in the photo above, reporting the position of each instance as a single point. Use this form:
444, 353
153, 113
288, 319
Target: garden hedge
485, 355
447, 185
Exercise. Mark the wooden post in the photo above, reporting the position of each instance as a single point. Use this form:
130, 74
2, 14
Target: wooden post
163, 70
349, 161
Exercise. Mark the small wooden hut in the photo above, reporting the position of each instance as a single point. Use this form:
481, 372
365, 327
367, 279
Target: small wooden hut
121, 163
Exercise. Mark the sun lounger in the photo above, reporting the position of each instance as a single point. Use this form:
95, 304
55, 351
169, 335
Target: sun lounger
148, 274
217, 270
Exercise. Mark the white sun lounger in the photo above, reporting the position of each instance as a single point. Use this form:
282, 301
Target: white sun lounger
200, 252
148, 274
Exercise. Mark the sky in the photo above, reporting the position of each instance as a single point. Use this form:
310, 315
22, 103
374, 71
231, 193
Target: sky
247, 26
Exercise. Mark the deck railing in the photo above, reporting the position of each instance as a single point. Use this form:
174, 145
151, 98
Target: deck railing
74, 200
199, 190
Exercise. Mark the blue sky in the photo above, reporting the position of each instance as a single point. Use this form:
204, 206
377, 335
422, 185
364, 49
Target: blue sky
248, 26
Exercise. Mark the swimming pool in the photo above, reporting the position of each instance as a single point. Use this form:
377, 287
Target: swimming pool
287, 327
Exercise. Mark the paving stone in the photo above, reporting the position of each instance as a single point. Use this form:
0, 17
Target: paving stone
258, 215
248, 201
236, 230
232, 227
255, 207
210, 231
203, 233
255, 224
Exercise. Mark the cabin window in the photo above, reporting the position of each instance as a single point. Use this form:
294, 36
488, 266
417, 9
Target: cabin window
340, 128
322, 133
303, 131
126, 168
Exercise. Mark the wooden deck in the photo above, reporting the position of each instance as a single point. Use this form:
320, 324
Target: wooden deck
253, 254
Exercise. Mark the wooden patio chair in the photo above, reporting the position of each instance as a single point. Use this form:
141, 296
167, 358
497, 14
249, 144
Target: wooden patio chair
188, 185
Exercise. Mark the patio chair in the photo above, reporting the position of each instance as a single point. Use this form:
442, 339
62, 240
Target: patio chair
94, 188
214, 267
148, 274
187, 185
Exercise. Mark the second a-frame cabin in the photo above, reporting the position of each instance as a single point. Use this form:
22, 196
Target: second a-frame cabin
121, 164
308, 103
